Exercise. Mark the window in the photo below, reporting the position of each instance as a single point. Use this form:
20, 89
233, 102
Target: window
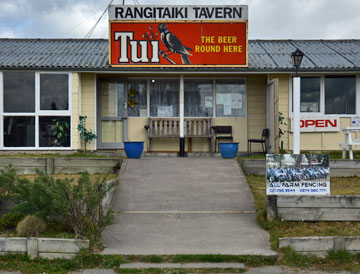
137, 102
19, 91
54, 92
19, 131
230, 98
54, 131
36, 110
198, 98
340, 95
327, 95
310, 94
164, 98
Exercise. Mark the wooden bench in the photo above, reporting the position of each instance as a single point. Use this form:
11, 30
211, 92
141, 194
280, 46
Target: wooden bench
169, 128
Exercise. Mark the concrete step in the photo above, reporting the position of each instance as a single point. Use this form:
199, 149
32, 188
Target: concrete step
183, 266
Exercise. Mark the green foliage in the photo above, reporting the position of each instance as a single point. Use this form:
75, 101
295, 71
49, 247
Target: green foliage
155, 259
42, 197
79, 203
86, 135
30, 226
61, 131
340, 256
84, 260
7, 181
87, 216
292, 258
281, 122
218, 258
10, 220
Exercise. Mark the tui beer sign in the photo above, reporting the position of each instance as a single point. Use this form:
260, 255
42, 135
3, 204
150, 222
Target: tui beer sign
190, 36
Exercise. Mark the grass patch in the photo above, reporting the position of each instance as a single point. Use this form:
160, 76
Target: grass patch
74, 177
277, 228
215, 258
72, 155
334, 261
24, 264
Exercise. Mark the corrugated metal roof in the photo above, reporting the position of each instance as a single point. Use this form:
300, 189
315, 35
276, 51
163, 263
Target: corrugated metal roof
92, 54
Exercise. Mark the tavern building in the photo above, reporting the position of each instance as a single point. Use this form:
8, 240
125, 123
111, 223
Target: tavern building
48, 82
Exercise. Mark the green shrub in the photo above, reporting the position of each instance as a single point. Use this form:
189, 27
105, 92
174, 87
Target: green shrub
7, 180
10, 220
30, 226
41, 197
78, 203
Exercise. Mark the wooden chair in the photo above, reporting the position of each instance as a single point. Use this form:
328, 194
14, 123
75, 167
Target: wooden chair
265, 134
222, 130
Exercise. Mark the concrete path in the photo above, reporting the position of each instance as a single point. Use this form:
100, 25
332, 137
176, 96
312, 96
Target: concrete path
184, 206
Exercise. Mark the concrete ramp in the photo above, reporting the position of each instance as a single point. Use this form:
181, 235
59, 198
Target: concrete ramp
184, 206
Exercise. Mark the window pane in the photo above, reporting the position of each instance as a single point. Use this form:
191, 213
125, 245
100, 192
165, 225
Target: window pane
340, 95
54, 92
310, 94
230, 98
112, 131
136, 95
19, 91
198, 98
164, 98
19, 131
112, 99
54, 131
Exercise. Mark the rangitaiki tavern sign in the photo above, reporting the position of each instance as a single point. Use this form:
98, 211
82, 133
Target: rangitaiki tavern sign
178, 36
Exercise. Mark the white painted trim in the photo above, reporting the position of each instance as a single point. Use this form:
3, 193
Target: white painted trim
296, 119
37, 113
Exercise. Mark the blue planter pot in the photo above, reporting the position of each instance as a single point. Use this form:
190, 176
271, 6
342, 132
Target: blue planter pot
134, 150
228, 150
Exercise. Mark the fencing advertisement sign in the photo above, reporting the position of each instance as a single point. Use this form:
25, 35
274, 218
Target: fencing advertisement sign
297, 174
178, 36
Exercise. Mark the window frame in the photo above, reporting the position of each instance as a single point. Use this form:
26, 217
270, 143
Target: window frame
322, 96
37, 113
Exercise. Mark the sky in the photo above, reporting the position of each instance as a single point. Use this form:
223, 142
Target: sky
268, 19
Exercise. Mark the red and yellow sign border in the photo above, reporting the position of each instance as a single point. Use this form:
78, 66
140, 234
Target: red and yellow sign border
178, 65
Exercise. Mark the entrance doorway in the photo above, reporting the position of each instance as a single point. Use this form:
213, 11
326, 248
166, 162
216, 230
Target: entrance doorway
111, 114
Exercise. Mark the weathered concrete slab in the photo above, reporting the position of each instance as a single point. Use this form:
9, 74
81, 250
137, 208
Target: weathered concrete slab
188, 266
184, 206
321, 245
146, 234
182, 184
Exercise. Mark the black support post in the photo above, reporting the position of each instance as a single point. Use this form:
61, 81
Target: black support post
182, 147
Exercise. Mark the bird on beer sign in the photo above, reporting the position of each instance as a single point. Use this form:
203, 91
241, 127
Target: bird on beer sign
173, 44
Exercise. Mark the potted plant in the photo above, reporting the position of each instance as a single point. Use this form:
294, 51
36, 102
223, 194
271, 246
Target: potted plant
229, 150
134, 150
